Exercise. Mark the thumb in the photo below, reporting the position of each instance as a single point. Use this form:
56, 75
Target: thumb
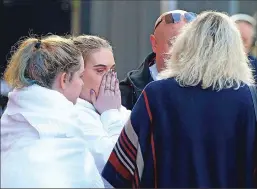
92, 96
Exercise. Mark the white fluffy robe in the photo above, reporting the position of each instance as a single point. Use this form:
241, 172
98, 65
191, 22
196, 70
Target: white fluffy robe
101, 131
41, 145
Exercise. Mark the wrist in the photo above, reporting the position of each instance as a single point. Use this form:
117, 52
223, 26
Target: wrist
107, 110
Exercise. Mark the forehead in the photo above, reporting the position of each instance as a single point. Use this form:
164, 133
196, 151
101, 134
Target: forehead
246, 28
103, 56
244, 25
167, 31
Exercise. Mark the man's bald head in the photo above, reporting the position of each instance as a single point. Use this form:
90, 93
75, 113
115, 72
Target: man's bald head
163, 35
167, 13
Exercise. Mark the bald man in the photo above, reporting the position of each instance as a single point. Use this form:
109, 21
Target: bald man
166, 28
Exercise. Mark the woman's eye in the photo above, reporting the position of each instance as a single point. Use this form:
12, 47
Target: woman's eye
100, 71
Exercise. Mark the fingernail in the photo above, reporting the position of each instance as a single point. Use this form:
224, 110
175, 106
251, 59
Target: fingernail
92, 91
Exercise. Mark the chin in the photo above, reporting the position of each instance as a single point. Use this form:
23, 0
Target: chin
84, 97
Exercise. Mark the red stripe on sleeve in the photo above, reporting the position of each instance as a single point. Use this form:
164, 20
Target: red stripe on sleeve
119, 167
132, 157
126, 141
152, 138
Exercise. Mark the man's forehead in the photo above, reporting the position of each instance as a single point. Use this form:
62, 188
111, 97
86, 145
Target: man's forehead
244, 23
245, 29
168, 31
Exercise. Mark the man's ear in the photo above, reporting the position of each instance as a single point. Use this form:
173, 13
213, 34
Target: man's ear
153, 42
63, 80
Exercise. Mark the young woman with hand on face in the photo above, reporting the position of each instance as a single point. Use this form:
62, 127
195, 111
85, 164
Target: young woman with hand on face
41, 144
101, 114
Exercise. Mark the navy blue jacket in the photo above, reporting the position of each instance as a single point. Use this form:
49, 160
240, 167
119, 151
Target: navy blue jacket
253, 62
182, 137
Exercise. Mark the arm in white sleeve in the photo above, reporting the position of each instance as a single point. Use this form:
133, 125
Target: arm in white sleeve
100, 143
114, 121
102, 133
125, 113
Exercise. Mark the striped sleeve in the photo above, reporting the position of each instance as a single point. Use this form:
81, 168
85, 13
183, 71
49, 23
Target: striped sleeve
125, 166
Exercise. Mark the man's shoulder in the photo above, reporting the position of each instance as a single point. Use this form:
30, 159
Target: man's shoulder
163, 84
140, 73
125, 82
136, 80
126, 87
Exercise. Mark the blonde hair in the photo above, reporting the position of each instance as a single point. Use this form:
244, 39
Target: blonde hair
210, 52
39, 61
88, 44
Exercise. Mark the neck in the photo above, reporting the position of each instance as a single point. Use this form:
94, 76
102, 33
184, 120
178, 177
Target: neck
159, 66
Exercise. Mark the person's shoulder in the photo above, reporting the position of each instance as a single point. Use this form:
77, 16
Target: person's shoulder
242, 95
126, 90
162, 88
85, 112
164, 84
124, 82
243, 90
245, 100
253, 60
125, 85
138, 74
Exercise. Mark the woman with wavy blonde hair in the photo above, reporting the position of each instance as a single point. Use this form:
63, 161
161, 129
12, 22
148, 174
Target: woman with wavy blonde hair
209, 52
41, 144
196, 127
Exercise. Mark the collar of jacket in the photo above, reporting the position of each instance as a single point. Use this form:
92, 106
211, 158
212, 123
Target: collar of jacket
139, 78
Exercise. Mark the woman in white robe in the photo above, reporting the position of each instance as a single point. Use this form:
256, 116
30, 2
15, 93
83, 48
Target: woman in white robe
101, 115
41, 144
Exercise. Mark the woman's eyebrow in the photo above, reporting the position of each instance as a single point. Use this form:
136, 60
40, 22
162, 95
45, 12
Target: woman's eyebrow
100, 65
